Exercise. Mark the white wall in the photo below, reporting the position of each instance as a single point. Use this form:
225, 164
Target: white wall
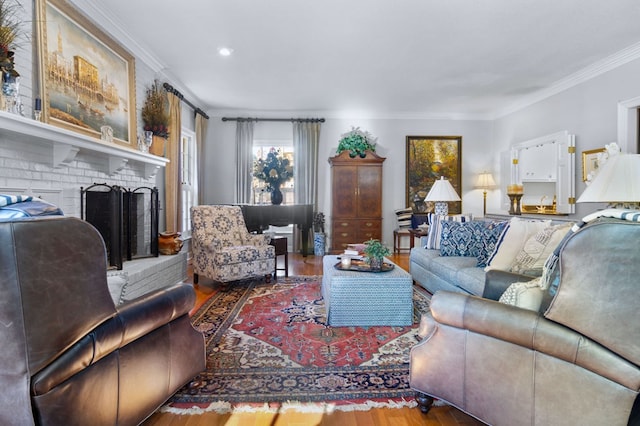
476, 136
588, 110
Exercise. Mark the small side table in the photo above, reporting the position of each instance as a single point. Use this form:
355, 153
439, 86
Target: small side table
280, 244
398, 233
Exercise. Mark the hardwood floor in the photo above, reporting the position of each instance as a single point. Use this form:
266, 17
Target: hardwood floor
312, 265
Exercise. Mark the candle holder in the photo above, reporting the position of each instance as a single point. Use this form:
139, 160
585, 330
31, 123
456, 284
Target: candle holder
514, 207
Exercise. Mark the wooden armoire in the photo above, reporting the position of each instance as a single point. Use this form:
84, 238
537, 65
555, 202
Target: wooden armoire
356, 188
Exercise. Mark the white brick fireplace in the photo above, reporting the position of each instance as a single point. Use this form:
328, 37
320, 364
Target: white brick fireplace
53, 163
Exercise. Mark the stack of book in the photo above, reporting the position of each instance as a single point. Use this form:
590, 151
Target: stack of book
354, 250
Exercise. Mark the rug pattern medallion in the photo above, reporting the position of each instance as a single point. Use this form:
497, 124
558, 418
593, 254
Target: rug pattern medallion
270, 343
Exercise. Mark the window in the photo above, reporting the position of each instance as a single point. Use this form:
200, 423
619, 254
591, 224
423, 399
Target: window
260, 150
188, 179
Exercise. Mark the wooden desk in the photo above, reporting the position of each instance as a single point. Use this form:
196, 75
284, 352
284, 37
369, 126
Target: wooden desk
258, 217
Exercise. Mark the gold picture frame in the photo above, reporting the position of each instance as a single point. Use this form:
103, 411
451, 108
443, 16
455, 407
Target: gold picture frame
429, 158
87, 80
590, 162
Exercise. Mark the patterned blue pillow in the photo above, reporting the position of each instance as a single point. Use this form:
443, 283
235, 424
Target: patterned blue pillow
471, 239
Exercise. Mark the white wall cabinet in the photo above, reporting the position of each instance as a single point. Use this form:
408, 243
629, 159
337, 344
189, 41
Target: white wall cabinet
545, 167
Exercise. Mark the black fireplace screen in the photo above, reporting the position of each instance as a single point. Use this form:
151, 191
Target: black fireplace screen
126, 219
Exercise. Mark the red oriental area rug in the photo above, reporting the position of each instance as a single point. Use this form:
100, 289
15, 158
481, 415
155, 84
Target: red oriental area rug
268, 345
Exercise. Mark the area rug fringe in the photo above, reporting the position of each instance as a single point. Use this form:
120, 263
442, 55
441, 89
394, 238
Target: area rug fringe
222, 407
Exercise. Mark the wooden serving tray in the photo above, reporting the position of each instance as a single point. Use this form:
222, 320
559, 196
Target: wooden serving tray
361, 266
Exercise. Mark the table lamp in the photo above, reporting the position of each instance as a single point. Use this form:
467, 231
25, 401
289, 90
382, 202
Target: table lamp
617, 183
440, 193
485, 182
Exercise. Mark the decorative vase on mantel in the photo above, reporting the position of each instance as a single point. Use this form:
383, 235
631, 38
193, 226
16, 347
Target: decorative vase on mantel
276, 195
158, 146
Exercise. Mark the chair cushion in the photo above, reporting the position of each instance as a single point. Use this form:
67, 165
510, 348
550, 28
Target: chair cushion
243, 254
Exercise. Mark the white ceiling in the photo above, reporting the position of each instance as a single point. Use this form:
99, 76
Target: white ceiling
378, 58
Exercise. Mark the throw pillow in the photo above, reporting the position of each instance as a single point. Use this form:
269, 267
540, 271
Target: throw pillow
435, 227
538, 248
471, 239
403, 217
526, 295
435, 231
510, 243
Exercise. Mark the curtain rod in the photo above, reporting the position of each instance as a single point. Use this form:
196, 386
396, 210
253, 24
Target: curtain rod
299, 120
169, 88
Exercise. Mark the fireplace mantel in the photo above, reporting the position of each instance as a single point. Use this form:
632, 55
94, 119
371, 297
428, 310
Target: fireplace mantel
65, 144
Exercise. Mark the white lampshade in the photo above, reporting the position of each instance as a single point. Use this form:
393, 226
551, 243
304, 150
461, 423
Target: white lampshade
617, 182
485, 181
440, 193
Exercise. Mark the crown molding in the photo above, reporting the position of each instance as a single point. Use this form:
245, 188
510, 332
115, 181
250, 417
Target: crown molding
350, 115
109, 22
596, 69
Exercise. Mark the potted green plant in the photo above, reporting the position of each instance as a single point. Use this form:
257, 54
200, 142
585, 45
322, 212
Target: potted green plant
374, 252
319, 237
357, 142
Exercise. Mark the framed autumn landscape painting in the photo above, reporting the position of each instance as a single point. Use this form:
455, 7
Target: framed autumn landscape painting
429, 158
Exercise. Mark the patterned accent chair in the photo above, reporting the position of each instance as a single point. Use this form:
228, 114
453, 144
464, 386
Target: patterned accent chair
224, 250
575, 361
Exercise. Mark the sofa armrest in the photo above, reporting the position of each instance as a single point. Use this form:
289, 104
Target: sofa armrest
531, 330
497, 281
133, 320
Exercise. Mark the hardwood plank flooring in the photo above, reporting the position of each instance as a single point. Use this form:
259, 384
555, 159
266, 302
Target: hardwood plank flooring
312, 265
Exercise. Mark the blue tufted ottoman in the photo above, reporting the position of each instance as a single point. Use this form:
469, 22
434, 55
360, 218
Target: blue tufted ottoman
366, 298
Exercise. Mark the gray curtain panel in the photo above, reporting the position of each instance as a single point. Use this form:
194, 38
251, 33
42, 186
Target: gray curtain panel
244, 161
306, 139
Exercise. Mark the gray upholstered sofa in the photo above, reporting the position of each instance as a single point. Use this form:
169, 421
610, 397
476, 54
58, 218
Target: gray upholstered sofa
455, 273
529, 239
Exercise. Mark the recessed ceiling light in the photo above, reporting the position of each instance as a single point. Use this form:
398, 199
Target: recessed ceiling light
225, 51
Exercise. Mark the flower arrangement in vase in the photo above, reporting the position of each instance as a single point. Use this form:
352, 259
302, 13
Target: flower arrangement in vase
274, 171
9, 33
155, 117
357, 142
374, 252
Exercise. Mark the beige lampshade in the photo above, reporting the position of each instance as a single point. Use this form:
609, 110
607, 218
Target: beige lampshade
442, 191
617, 182
485, 181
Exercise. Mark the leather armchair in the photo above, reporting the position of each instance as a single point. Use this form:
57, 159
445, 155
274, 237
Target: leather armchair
71, 357
575, 362
224, 250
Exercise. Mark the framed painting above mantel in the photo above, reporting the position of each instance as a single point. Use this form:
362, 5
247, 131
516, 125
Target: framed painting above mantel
428, 159
87, 80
